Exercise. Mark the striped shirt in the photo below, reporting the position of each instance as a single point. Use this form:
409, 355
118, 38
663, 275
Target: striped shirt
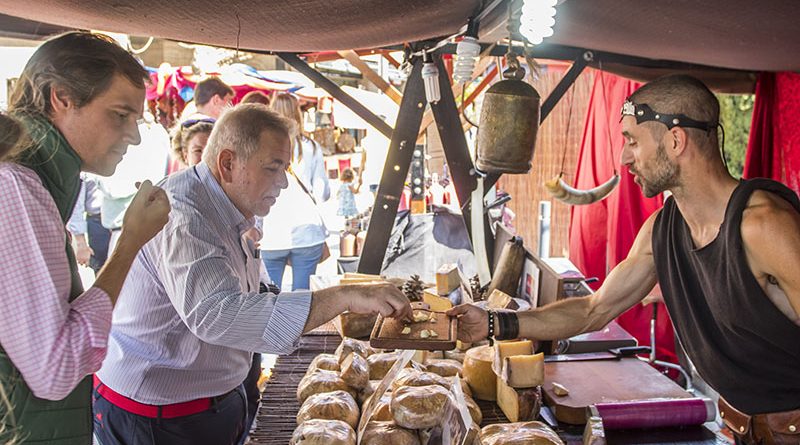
53, 343
190, 311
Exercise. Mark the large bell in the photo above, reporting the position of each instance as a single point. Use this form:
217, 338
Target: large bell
508, 126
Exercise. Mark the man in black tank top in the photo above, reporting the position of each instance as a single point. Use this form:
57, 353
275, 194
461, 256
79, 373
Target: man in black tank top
726, 254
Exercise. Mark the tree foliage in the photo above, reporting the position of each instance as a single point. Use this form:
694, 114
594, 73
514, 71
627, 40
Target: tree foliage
736, 114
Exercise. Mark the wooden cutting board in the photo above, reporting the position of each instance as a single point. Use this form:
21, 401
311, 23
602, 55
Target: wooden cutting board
387, 333
592, 382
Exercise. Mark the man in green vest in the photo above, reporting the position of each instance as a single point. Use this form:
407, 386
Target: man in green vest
78, 101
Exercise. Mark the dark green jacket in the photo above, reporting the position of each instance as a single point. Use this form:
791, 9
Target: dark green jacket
34, 420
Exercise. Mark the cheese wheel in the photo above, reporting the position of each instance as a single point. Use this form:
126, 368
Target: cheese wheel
478, 373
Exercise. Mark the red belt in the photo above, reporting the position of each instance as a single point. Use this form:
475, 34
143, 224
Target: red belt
155, 411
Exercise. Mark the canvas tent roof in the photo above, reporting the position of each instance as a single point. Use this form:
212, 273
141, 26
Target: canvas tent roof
739, 34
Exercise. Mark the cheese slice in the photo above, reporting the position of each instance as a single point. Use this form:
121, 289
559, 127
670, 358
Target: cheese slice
523, 371
478, 373
518, 404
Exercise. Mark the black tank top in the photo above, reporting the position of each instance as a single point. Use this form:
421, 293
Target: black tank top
740, 342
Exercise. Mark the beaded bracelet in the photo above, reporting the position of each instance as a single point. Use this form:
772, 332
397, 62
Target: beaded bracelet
490, 334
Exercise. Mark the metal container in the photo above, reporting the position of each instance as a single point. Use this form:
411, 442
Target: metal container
508, 127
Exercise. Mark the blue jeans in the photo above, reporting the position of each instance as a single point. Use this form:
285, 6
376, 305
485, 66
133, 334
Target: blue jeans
304, 264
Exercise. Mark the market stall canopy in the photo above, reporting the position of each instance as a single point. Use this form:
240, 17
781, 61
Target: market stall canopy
740, 34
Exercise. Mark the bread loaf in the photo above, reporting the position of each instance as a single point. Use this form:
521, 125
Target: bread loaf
419, 407
387, 433
323, 432
319, 381
355, 371
334, 405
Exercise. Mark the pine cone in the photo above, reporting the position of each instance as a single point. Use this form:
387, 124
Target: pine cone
413, 288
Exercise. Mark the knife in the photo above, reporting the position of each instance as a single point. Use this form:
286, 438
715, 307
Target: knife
611, 354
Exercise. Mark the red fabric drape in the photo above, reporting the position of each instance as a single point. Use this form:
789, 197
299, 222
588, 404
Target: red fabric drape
773, 150
601, 234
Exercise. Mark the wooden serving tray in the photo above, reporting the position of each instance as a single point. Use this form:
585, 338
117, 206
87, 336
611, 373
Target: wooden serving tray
386, 334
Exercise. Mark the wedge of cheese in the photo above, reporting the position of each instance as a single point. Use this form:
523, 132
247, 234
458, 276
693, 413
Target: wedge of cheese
447, 279
518, 404
478, 373
523, 371
505, 349
501, 300
436, 303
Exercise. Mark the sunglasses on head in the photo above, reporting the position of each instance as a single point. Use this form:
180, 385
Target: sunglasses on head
192, 122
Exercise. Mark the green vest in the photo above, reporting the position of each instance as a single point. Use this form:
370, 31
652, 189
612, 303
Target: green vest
34, 420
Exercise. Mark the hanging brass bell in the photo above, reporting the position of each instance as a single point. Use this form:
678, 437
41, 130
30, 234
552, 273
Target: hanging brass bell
509, 124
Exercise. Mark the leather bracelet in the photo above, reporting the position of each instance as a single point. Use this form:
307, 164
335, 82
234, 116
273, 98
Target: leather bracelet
509, 325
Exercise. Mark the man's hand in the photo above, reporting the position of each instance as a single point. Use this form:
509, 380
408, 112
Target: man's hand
473, 322
146, 215
382, 298
82, 250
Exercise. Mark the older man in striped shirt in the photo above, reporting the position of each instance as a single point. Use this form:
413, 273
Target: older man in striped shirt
191, 312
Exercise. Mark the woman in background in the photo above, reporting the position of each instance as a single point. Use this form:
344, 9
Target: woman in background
293, 231
190, 140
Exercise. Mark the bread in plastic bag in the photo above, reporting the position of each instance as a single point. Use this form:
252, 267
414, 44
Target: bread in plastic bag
334, 405
419, 407
519, 433
320, 380
355, 371
388, 433
415, 377
323, 432
444, 367
349, 345
328, 362
380, 363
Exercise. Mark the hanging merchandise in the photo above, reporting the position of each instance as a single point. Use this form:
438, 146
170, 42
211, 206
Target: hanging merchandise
509, 123
562, 191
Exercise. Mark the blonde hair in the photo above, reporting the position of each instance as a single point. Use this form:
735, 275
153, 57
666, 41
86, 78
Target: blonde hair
239, 130
288, 106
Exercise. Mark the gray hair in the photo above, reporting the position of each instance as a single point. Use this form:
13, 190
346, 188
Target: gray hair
239, 130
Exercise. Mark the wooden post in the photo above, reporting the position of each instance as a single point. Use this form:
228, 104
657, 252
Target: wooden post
372, 76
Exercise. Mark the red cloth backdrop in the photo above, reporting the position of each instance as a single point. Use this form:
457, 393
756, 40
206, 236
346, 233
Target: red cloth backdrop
774, 147
601, 234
